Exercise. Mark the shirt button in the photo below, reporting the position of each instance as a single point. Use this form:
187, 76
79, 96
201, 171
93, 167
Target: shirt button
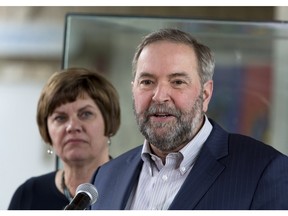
164, 177
183, 169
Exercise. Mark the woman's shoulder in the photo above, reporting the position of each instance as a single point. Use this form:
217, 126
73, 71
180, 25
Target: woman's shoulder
41, 178
37, 193
35, 181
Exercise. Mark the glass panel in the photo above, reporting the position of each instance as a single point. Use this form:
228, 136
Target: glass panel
250, 81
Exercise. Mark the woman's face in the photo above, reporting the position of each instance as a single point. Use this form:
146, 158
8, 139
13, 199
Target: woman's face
77, 131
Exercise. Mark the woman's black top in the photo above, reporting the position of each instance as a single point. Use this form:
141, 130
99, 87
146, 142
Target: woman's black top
38, 193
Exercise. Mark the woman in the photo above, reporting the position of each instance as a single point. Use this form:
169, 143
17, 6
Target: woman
78, 111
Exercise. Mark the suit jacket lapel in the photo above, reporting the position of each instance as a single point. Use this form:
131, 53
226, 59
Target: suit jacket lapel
205, 171
130, 177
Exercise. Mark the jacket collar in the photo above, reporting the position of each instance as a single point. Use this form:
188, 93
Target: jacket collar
205, 171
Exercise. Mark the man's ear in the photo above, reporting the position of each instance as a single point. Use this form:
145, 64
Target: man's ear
207, 94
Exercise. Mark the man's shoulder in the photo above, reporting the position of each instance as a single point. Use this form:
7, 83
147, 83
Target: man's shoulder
118, 168
253, 147
128, 156
249, 142
242, 143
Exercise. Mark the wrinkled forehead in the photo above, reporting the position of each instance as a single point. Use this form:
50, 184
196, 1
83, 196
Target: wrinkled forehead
167, 57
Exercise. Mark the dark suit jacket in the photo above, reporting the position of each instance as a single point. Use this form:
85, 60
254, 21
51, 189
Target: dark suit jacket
232, 172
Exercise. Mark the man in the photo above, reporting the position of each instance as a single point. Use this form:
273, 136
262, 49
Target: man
187, 161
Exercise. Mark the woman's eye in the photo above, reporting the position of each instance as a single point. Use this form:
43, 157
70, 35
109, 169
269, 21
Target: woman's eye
60, 118
86, 114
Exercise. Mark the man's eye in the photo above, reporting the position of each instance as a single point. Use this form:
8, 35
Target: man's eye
146, 82
178, 82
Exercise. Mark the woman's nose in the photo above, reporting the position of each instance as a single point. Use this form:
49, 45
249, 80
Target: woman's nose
73, 125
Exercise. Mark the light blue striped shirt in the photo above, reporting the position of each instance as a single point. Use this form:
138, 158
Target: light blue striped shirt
158, 184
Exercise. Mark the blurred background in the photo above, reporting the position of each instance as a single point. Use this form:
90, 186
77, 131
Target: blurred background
31, 49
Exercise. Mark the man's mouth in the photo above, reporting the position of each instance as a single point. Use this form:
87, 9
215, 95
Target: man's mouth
162, 115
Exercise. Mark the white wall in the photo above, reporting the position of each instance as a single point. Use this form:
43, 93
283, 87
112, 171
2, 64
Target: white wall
29, 53
23, 154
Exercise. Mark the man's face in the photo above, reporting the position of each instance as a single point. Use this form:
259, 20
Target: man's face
169, 100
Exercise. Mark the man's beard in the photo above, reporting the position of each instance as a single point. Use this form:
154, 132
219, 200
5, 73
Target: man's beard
172, 134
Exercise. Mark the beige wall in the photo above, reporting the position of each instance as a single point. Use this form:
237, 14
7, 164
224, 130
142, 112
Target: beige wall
55, 16
49, 14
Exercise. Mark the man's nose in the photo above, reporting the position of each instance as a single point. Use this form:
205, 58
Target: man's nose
161, 93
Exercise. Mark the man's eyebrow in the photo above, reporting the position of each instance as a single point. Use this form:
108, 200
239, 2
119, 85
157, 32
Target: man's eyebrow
179, 74
145, 74
170, 76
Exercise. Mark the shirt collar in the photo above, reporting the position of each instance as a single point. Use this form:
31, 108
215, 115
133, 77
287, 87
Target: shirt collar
189, 152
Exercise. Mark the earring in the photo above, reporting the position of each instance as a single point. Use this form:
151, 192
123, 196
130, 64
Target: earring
49, 150
109, 141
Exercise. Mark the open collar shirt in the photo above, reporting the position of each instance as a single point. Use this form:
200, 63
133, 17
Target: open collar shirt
159, 183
